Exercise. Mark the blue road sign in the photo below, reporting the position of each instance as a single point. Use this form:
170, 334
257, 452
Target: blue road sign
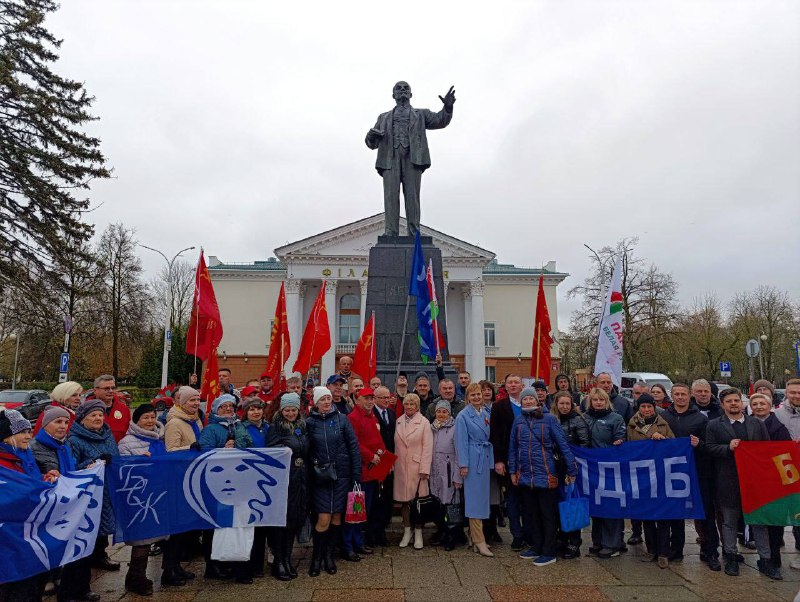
64, 366
725, 369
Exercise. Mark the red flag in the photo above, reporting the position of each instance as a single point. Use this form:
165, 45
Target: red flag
279, 346
205, 325
209, 390
542, 338
316, 337
365, 356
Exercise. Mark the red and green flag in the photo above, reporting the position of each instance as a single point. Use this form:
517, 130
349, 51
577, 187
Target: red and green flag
769, 479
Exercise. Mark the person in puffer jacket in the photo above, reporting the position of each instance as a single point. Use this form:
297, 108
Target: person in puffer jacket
531, 463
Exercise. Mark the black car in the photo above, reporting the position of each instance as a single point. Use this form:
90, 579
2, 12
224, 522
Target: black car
30, 403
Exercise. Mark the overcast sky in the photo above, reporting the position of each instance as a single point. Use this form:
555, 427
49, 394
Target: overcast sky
239, 126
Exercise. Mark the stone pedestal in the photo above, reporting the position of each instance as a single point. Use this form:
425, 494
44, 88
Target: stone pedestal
387, 294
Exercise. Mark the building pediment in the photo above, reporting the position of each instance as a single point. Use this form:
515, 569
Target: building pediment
352, 242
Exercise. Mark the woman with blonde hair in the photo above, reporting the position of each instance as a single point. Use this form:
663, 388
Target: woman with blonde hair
413, 444
64, 395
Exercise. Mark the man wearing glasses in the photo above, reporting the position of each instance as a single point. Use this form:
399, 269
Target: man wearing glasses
118, 415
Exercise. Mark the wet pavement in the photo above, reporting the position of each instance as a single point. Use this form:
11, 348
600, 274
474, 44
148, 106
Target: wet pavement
431, 574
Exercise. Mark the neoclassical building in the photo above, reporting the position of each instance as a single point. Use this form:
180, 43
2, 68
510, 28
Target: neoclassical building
490, 306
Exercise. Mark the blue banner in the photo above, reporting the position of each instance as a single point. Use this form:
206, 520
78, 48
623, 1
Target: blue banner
44, 526
646, 480
418, 287
183, 491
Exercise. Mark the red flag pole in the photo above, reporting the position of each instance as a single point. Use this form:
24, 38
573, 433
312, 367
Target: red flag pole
538, 346
372, 351
197, 305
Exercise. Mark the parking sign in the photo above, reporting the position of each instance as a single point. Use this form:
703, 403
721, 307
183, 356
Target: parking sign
725, 369
64, 366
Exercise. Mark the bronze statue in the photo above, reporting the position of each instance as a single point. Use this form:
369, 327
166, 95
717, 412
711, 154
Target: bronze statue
399, 135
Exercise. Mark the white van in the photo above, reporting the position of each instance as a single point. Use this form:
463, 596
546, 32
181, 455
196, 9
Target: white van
651, 378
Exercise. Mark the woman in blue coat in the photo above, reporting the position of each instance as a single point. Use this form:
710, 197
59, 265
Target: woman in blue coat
476, 461
336, 461
532, 466
606, 428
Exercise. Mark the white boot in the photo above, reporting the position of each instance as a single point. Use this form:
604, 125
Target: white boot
417, 539
406, 537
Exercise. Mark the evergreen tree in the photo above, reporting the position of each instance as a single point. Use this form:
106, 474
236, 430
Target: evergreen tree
45, 157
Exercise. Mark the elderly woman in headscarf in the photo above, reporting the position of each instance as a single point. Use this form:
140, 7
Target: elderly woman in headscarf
288, 429
445, 478
336, 462
183, 425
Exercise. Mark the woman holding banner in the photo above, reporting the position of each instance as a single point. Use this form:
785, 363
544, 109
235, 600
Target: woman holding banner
646, 423
336, 462
606, 428
288, 429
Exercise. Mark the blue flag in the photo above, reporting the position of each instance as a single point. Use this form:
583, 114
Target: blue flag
646, 480
418, 287
44, 526
183, 491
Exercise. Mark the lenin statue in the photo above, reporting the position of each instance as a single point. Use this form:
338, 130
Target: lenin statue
399, 135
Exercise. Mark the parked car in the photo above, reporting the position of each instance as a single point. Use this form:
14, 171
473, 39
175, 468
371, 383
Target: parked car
30, 403
651, 378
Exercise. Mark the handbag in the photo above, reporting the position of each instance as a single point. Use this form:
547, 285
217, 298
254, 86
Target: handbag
304, 536
425, 509
232, 544
325, 473
454, 511
552, 480
356, 506
574, 510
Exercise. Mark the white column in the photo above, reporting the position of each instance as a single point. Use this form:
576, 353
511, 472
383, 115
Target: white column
478, 368
466, 293
444, 304
328, 364
363, 284
294, 316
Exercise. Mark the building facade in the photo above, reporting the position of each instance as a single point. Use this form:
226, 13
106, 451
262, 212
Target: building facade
490, 306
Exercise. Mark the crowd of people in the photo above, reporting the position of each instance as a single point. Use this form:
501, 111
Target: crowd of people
488, 455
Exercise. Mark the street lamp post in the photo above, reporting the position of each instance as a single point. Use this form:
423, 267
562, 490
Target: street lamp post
763, 338
168, 316
16, 361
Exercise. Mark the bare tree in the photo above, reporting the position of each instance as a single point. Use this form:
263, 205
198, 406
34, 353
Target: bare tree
181, 287
706, 337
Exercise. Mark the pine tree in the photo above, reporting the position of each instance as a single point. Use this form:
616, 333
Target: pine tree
45, 157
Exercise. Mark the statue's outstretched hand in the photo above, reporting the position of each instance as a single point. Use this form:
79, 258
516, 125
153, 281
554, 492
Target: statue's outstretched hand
449, 99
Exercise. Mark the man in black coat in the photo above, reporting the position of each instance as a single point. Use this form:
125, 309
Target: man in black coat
704, 400
686, 420
384, 503
723, 436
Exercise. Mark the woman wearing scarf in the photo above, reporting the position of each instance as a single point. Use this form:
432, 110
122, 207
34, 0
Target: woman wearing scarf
15, 455
253, 409
288, 429
647, 424
64, 395
91, 439
183, 425
145, 437
445, 478
531, 462
606, 428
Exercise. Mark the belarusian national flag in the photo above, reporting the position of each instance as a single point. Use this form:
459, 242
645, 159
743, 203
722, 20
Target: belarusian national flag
769, 480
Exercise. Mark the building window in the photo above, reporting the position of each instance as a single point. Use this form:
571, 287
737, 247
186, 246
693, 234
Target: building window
349, 319
488, 335
490, 374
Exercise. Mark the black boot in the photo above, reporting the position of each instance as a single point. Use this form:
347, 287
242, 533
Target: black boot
448, 541
288, 546
329, 549
136, 580
317, 553
278, 569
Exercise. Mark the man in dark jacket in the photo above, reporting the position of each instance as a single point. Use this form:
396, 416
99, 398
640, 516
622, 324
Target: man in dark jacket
704, 400
563, 384
686, 420
447, 392
384, 503
723, 436
619, 404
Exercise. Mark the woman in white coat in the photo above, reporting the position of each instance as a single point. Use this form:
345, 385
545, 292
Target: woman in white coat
413, 442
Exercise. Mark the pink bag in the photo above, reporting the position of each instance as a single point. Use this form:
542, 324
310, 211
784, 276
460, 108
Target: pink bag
356, 506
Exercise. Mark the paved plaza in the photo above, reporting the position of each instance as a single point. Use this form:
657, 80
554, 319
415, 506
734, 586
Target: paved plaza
431, 574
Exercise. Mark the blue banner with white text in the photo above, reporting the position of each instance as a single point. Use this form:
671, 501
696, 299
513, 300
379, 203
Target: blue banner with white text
183, 491
645, 480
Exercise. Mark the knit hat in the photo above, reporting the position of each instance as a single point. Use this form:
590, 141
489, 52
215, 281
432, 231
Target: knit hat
252, 402
87, 407
764, 383
528, 392
143, 409
444, 405
53, 412
184, 394
224, 398
320, 392
290, 400
645, 398
539, 384
12, 422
